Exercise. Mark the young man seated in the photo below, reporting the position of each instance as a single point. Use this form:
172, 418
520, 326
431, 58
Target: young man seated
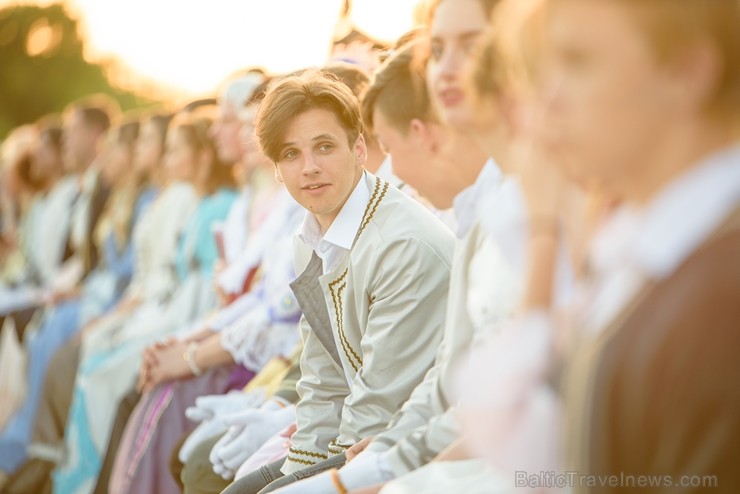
375, 270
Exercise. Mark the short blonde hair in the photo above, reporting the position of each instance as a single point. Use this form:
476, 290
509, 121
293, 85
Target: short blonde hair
399, 91
673, 26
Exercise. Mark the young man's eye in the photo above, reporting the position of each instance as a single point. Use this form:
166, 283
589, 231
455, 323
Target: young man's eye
325, 148
290, 154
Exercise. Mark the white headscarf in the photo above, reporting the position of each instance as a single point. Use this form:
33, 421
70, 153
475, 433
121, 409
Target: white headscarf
238, 91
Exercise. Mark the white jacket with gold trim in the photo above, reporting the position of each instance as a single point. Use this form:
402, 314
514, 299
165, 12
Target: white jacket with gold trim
386, 302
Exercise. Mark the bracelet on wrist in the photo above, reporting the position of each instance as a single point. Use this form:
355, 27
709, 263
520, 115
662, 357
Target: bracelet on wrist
338, 485
189, 357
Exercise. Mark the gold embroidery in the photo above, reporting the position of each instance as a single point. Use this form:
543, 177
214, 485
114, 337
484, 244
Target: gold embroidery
298, 460
341, 447
379, 192
307, 453
372, 205
369, 205
336, 296
336, 448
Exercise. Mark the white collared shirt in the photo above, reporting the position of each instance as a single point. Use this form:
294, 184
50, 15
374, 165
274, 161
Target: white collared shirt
467, 203
338, 239
650, 243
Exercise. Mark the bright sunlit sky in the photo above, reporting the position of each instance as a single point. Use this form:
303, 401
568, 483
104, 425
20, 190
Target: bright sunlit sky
190, 46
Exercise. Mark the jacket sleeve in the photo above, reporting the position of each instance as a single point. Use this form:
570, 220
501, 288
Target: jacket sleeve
423, 426
322, 389
405, 320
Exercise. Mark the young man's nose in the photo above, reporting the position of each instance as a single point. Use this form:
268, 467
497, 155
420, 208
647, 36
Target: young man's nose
309, 165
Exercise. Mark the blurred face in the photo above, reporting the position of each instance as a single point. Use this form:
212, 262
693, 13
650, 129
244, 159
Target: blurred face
148, 151
607, 97
402, 148
79, 143
319, 167
116, 161
252, 155
455, 30
225, 135
411, 162
47, 159
12, 185
180, 158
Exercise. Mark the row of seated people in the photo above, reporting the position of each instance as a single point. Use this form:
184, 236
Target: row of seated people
464, 271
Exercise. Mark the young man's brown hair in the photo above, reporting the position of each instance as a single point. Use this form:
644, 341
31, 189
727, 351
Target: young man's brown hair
399, 91
98, 110
295, 95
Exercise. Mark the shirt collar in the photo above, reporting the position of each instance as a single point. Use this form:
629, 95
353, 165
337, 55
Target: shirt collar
659, 237
467, 202
343, 229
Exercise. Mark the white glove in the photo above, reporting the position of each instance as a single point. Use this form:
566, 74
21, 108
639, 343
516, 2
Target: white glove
276, 448
248, 430
208, 409
367, 469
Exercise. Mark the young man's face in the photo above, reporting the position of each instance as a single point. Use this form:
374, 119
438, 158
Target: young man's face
402, 148
412, 161
79, 142
148, 150
318, 164
47, 159
607, 95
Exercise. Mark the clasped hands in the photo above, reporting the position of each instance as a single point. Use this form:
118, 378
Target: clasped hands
163, 362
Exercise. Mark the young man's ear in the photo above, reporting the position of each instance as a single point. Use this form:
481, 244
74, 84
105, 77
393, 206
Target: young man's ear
696, 76
424, 134
361, 150
278, 177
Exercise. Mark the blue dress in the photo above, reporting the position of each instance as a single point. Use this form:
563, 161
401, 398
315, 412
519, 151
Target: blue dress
60, 323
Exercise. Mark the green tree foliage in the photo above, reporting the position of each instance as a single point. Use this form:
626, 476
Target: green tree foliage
42, 66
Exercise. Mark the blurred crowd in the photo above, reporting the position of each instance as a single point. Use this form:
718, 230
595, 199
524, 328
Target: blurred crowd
501, 255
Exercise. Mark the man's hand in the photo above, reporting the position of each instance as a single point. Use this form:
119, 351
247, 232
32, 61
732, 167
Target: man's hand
357, 448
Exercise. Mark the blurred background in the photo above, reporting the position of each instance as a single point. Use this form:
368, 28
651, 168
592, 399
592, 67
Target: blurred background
148, 53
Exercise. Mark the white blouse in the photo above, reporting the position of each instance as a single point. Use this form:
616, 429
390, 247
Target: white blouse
155, 239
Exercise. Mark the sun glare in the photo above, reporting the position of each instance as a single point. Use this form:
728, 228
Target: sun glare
191, 46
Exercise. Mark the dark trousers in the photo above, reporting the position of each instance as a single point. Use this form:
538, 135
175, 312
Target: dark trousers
197, 476
269, 478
